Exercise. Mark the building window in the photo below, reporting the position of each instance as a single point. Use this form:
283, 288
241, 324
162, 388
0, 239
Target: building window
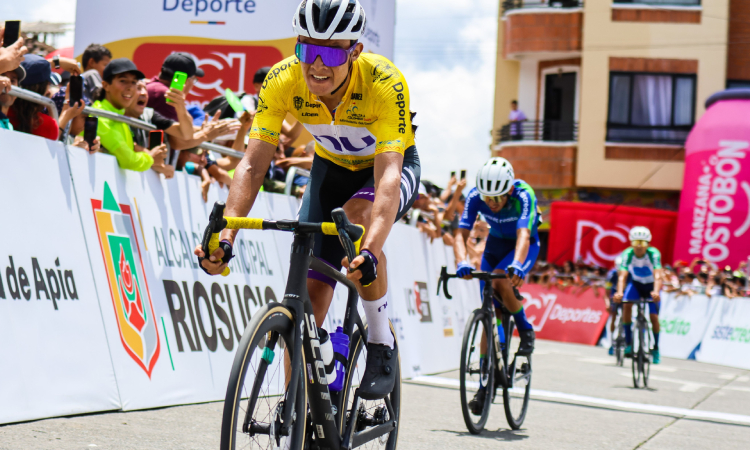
661, 2
650, 107
733, 84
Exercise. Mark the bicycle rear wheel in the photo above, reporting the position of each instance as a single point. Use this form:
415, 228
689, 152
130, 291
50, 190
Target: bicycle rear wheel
371, 412
637, 358
257, 385
475, 371
646, 352
518, 375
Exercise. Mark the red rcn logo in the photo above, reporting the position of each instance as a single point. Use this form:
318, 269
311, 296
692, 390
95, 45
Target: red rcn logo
225, 66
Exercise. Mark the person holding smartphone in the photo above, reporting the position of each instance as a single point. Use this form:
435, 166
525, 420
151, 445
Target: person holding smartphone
118, 92
8, 79
11, 51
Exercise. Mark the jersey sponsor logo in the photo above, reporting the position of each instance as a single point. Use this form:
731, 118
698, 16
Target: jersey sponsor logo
312, 105
131, 299
642, 272
401, 105
262, 107
277, 71
307, 114
343, 143
298, 102
356, 96
351, 114
383, 71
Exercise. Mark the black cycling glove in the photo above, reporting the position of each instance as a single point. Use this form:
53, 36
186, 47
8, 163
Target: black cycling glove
224, 245
369, 268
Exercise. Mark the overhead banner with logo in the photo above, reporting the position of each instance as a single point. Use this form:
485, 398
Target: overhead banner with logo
597, 234
54, 358
230, 39
714, 220
684, 320
566, 315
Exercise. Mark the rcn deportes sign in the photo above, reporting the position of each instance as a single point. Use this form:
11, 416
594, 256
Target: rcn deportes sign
229, 39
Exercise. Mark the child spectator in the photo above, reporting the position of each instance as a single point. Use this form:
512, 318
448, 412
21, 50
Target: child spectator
8, 79
95, 58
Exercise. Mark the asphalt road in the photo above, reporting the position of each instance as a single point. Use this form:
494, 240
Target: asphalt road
580, 400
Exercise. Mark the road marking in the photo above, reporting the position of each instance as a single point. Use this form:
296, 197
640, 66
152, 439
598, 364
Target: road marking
630, 406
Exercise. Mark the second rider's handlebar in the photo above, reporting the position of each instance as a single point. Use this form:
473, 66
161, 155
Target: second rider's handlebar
349, 234
445, 276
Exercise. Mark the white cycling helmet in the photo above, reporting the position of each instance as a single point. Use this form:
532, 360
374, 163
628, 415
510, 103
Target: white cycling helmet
640, 234
495, 177
330, 19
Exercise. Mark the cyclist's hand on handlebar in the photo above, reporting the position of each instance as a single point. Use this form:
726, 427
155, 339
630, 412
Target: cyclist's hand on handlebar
213, 265
367, 265
464, 270
617, 298
515, 269
655, 295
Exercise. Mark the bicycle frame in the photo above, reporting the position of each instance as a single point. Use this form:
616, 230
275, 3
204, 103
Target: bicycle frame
325, 406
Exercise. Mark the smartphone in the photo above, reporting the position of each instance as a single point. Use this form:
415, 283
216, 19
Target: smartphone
89, 130
75, 88
12, 32
463, 174
155, 139
453, 174
178, 82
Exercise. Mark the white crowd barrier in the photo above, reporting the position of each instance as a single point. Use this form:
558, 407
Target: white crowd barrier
103, 306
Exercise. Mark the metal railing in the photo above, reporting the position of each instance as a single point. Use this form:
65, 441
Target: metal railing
538, 130
509, 5
675, 135
291, 173
135, 123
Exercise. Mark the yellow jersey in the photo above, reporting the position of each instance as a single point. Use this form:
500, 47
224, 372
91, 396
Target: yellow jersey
372, 118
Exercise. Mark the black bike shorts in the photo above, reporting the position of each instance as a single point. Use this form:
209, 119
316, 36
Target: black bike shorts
331, 186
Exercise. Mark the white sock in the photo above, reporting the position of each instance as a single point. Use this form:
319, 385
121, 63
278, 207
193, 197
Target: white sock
378, 329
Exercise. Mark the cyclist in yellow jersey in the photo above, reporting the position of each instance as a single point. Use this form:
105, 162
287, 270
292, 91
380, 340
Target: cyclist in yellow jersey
357, 108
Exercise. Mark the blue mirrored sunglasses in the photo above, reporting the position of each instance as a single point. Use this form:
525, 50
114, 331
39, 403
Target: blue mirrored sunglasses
331, 56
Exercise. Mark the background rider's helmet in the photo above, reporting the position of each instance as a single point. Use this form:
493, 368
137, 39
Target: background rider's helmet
495, 177
640, 234
618, 262
330, 19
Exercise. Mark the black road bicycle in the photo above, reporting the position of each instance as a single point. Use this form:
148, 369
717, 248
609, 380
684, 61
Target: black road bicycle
618, 337
277, 396
496, 369
641, 345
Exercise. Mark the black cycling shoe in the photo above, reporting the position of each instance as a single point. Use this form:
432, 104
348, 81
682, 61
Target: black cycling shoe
380, 372
476, 405
526, 347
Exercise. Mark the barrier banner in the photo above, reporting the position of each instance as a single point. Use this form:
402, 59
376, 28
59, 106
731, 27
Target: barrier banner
564, 315
54, 358
715, 202
172, 329
727, 338
230, 39
597, 233
684, 321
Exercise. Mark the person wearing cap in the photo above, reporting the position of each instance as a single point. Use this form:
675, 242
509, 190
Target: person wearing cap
159, 85
27, 117
8, 79
118, 92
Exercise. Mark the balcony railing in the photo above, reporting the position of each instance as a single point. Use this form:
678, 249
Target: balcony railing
673, 135
521, 4
538, 130
659, 2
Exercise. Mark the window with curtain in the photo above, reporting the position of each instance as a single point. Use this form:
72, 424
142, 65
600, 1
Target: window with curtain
650, 107
662, 2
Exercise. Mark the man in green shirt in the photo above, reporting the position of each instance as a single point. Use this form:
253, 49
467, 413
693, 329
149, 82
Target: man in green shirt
118, 92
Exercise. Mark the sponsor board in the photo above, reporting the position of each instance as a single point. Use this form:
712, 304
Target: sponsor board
563, 315
53, 348
727, 337
684, 321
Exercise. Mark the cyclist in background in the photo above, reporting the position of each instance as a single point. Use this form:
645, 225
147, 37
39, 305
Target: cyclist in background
356, 106
611, 288
640, 276
509, 206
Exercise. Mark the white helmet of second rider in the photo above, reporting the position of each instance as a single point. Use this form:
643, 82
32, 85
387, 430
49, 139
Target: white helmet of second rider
330, 19
640, 234
495, 178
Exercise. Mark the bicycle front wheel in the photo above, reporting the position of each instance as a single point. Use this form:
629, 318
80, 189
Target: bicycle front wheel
645, 355
254, 404
518, 375
477, 372
637, 357
370, 412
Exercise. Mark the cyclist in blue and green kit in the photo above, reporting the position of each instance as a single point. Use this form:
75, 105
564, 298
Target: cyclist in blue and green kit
510, 208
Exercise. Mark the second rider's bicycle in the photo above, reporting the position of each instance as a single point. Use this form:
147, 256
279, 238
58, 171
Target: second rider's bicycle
641, 345
278, 396
501, 366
